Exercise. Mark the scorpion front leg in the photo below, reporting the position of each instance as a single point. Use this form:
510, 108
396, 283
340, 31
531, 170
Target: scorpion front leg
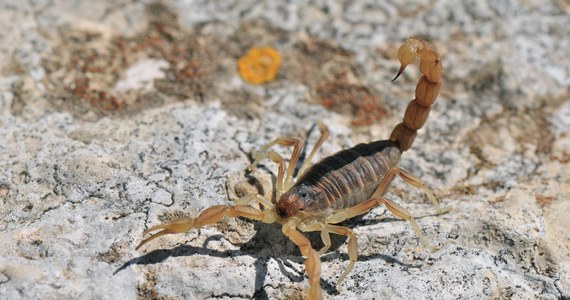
326, 230
324, 135
285, 179
325, 235
352, 250
209, 216
265, 152
312, 261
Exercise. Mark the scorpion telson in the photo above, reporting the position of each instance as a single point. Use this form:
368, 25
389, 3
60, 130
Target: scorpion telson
344, 185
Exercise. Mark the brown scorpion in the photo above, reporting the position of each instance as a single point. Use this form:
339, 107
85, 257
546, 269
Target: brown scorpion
344, 185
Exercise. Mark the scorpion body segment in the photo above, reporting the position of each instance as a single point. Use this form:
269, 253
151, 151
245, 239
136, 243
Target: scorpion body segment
341, 186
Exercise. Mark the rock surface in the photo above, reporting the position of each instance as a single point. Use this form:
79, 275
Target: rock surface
116, 116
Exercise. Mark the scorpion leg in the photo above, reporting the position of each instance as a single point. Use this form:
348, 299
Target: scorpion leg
268, 204
245, 200
209, 216
394, 208
280, 161
402, 213
324, 135
325, 236
411, 180
418, 183
282, 141
352, 250
312, 261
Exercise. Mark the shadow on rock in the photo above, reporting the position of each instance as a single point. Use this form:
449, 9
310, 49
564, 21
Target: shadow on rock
268, 242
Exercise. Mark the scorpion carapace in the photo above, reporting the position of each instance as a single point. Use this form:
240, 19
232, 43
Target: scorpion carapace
344, 185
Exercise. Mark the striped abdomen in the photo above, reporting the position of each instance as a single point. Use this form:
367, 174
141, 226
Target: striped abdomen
350, 176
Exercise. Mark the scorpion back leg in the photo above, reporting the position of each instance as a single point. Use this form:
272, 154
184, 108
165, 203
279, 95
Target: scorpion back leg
411, 180
394, 208
418, 183
209, 216
312, 261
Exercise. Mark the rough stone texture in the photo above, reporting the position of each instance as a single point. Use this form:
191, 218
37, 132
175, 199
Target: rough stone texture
115, 116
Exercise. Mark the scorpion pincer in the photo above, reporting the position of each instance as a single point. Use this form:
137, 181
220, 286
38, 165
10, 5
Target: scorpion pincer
344, 185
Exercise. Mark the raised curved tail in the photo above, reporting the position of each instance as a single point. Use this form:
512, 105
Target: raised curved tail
426, 90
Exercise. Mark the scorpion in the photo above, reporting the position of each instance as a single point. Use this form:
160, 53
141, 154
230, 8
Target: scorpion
339, 187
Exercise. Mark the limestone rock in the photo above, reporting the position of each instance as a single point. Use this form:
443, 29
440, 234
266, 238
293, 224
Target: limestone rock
117, 116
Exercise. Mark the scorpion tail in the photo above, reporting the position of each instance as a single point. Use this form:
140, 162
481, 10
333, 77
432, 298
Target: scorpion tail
426, 90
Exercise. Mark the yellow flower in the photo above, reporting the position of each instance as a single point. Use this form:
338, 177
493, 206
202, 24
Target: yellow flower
259, 65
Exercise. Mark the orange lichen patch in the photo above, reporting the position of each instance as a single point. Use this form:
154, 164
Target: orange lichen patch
259, 65
339, 92
543, 200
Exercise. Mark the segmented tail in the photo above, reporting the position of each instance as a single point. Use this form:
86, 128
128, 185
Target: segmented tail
426, 90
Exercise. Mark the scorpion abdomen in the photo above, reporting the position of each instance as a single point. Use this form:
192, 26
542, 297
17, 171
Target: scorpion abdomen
351, 176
